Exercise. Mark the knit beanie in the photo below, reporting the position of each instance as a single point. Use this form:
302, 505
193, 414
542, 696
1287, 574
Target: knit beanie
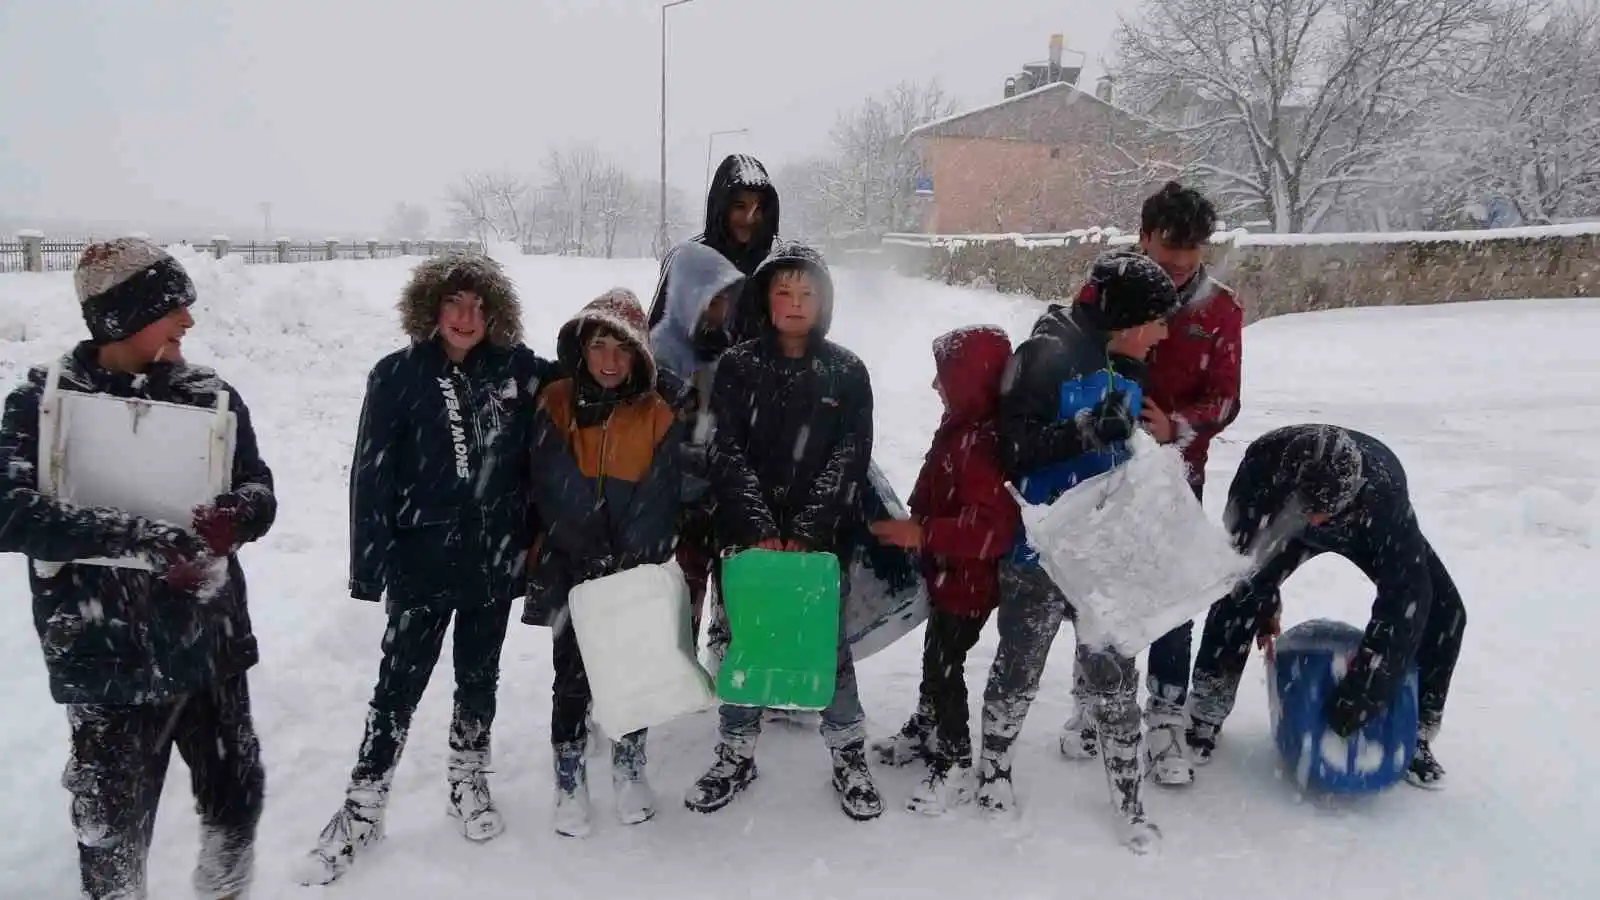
1126, 290
127, 284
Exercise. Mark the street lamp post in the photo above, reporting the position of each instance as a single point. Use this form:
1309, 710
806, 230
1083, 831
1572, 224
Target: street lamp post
661, 230
711, 139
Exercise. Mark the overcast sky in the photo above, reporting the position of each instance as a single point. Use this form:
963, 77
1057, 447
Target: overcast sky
193, 112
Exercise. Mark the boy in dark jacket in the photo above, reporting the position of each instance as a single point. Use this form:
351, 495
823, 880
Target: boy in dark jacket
1304, 490
606, 483
143, 660
1050, 440
793, 442
440, 523
963, 520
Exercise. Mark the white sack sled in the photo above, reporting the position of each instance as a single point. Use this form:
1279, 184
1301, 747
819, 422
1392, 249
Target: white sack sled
1133, 550
142, 457
638, 648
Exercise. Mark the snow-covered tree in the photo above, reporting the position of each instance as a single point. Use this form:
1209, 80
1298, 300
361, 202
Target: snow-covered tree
488, 206
1284, 108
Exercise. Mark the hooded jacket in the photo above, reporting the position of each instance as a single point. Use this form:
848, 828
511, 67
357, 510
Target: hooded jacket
969, 520
696, 274
113, 635
793, 436
1194, 372
439, 479
605, 463
737, 172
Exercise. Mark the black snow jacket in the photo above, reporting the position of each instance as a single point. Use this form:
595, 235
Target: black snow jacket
605, 465
737, 172
794, 436
439, 508
1375, 529
115, 635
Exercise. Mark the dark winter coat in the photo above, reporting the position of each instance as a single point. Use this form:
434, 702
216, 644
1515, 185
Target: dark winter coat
1194, 372
114, 635
794, 436
439, 481
605, 465
969, 520
737, 172
1376, 530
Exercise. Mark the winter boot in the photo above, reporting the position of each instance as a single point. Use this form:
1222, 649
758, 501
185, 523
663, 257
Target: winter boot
227, 860
996, 797
470, 803
913, 742
1425, 771
1167, 748
1120, 753
1202, 740
357, 825
733, 771
635, 801
571, 817
948, 783
1079, 738
858, 796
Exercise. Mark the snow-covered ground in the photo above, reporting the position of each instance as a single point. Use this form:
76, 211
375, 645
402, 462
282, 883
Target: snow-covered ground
1495, 409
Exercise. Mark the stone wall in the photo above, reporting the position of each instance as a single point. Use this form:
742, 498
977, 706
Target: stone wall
1278, 274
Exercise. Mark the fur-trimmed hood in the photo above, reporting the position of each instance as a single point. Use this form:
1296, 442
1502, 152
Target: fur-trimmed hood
434, 279
618, 311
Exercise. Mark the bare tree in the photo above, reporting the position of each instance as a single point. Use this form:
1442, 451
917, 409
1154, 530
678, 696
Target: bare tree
407, 221
488, 206
571, 184
1283, 108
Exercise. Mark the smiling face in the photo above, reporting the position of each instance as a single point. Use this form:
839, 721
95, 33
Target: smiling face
461, 322
793, 303
744, 216
1136, 343
1179, 261
608, 359
160, 341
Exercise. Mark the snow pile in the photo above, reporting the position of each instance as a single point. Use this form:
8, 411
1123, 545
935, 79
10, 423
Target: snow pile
1239, 237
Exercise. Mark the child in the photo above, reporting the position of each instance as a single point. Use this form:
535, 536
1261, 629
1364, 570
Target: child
1304, 490
793, 441
606, 484
963, 520
439, 521
141, 662
1047, 445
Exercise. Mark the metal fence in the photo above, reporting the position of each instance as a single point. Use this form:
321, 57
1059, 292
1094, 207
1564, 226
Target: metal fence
34, 253
12, 258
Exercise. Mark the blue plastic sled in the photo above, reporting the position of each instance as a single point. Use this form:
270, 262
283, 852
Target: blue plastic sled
1300, 680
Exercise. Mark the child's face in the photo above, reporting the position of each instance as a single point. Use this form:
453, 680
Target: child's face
1137, 342
792, 300
744, 216
1180, 261
461, 322
609, 361
716, 312
161, 340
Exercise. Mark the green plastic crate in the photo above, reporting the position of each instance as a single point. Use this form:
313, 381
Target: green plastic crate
783, 612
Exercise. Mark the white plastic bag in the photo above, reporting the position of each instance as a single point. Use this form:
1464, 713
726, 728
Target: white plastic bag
634, 632
1133, 550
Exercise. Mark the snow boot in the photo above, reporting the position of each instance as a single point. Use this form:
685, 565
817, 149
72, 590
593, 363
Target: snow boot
1120, 753
733, 771
227, 861
852, 780
1079, 738
470, 803
635, 801
1202, 740
571, 816
356, 826
947, 785
1166, 749
1425, 771
996, 797
913, 742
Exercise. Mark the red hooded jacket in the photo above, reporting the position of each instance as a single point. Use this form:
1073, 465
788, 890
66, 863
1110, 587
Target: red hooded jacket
969, 520
1194, 373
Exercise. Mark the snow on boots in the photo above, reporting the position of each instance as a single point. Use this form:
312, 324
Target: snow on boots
948, 783
1079, 738
914, 741
571, 817
858, 796
635, 801
1167, 748
1425, 771
733, 771
357, 825
470, 803
227, 860
1120, 752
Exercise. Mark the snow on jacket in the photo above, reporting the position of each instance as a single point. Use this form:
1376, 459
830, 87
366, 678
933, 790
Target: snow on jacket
793, 436
605, 464
113, 635
1194, 372
696, 275
737, 172
439, 504
969, 520
1375, 529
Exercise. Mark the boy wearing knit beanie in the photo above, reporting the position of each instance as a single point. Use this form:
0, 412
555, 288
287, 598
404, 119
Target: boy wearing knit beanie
143, 660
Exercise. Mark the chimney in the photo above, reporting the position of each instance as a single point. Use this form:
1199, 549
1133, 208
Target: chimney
1105, 88
1057, 42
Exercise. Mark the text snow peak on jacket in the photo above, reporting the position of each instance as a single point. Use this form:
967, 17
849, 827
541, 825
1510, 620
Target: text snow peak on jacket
794, 436
114, 635
969, 520
1194, 373
605, 466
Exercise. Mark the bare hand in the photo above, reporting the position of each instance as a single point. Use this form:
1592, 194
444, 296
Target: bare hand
777, 544
1158, 423
905, 533
1267, 640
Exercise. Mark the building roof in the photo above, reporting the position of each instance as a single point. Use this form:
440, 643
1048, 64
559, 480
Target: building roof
1053, 114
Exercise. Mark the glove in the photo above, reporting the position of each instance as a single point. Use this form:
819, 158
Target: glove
173, 553
217, 525
1109, 421
1345, 716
